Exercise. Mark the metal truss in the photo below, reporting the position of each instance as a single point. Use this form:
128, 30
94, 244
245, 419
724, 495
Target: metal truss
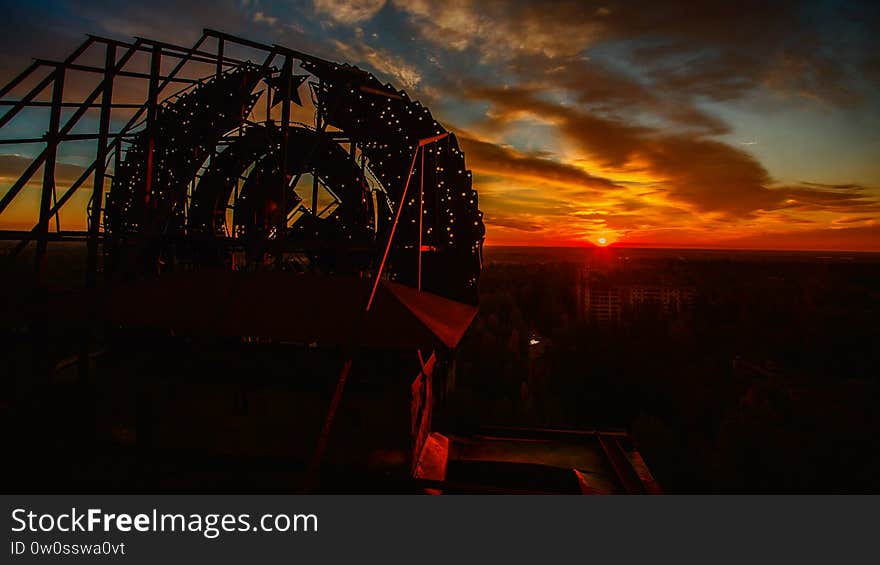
183, 158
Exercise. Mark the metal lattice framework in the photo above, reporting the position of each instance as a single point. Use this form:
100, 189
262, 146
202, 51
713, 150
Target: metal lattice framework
197, 179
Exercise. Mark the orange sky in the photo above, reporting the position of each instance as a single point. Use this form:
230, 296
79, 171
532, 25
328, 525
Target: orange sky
734, 126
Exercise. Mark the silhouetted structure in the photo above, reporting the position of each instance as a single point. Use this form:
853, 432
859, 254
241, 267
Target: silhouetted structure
259, 274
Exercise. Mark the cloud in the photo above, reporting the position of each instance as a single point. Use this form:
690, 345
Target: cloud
11, 167
513, 222
167, 20
708, 174
719, 50
493, 159
496, 27
607, 91
381, 61
23, 212
260, 17
349, 11
840, 199
580, 115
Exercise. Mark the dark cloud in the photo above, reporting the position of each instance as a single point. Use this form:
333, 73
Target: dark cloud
720, 50
517, 223
857, 220
11, 167
609, 92
490, 158
631, 87
709, 174
841, 198
696, 169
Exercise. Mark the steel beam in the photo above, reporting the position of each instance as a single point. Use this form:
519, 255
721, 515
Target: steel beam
152, 111
49, 176
35, 91
127, 74
100, 166
71, 122
287, 73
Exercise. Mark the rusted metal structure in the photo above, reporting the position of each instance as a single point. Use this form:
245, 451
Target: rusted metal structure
282, 253
214, 184
198, 178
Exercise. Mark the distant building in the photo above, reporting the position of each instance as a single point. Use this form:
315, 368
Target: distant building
672, 299
602, 303
604, 300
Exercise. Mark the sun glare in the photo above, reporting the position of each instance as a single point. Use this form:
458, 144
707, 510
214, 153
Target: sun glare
602, 241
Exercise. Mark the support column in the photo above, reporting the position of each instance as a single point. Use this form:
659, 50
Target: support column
41, 363
281, 226
49, 177
319, 128
94, 224
152, 111
100, 167
421, 211
220, 43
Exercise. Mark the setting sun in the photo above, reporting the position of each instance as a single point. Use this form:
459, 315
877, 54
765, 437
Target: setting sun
603, 241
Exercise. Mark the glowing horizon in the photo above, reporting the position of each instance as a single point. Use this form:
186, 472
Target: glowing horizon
727, 128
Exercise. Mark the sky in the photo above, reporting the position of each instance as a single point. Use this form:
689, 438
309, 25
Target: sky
643, 123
